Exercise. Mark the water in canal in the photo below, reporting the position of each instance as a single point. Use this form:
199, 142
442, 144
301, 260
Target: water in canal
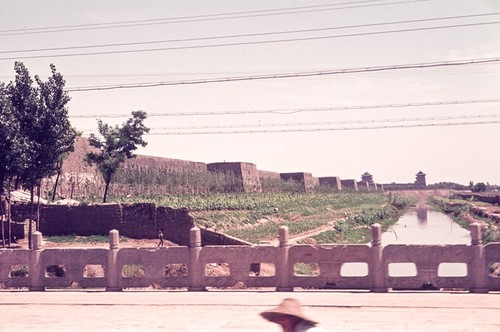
423, 226
419, 226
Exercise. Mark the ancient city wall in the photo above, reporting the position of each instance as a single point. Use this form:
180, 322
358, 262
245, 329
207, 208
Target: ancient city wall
246, 172
196, 267
330, 181
349, 185
306, 179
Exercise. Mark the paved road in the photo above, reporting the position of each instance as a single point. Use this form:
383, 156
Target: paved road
239, 311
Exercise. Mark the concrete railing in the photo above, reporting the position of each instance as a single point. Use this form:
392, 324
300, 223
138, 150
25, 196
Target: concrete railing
371, 267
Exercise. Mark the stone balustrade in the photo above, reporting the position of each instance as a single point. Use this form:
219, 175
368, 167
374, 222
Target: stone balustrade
371, 267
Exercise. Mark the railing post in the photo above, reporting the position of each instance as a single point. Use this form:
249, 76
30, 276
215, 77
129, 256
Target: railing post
376, 267
283, 269
112, 271
196, 270
36, 270
478, 264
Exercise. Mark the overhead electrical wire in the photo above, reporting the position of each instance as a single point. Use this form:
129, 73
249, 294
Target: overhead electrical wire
324, 123
257, 42
286, 111
199, 18
288, 75
324, 129
319, 126
248, 35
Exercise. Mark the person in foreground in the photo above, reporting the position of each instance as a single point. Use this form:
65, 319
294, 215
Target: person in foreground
289, 315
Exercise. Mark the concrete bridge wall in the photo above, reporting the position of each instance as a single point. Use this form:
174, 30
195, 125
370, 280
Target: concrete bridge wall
197, 268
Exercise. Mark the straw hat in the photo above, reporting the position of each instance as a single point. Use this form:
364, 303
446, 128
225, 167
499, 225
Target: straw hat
289, 307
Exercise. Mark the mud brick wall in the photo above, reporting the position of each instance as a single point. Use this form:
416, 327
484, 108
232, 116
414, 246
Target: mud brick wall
176, 224
246, 172
139, 221
349, 185
172, 164
269, 175
330, 181
94, 219
306, 179
131, 220
54, 220
363, 186
20, 211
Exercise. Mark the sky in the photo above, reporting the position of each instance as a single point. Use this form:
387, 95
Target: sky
332, 88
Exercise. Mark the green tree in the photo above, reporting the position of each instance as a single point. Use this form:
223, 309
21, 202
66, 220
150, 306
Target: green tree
53, 99
44, 126
479, 187
10, 149
116, 144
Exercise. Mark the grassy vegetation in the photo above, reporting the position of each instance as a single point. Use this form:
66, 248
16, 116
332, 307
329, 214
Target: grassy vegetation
80, 239
460, 211
356, 228
256, 217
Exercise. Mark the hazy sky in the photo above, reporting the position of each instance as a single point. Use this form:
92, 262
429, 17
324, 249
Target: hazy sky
316, 123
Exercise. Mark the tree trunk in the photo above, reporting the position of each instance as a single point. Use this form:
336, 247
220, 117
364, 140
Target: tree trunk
38, 208
30, 226
106, 191
59, 168
9, 215
2, 221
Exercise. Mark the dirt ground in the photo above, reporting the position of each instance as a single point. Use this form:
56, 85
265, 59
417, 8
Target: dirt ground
127, 243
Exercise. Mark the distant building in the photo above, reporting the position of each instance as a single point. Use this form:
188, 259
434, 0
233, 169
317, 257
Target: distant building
367, 177
420, 181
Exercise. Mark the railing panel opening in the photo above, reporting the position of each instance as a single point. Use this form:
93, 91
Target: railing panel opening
55, 271
133, 271
354, 269
176, 270
402, 270
93, 271
494, 270
18, 271
306, 269
262, 270
452, 270
217, 270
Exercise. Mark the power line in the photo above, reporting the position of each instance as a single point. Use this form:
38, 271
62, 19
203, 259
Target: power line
325, 129
288, 75
313, 126
248, 35
324, 123
285, 111
199, 18
258, 42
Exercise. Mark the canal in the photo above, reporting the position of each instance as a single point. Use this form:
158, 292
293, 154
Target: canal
419, 226
422, 226
425, 226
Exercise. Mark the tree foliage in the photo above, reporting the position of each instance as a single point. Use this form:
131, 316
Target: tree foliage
35, 129
479, 187
116, 144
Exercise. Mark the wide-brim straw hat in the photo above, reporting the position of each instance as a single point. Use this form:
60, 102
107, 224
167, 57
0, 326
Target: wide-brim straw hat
289, 307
